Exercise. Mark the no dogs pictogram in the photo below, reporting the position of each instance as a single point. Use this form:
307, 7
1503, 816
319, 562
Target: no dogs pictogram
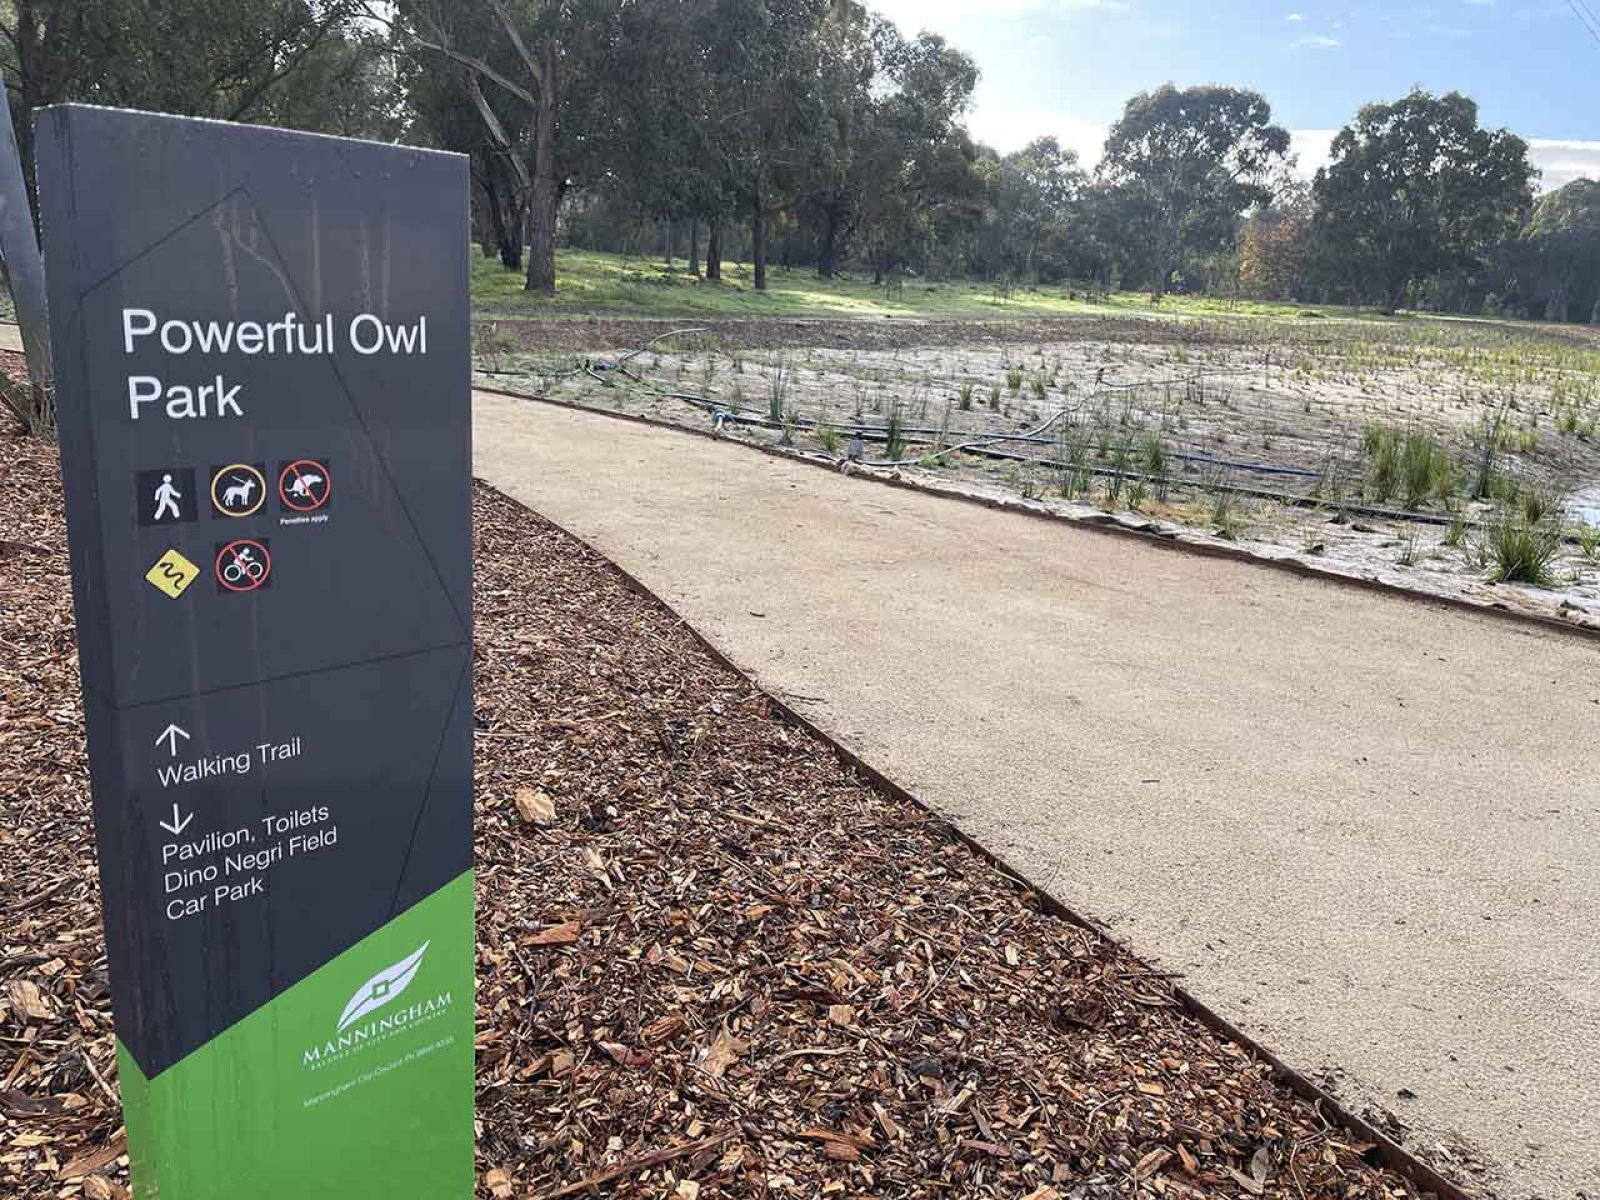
305, 485
243, 565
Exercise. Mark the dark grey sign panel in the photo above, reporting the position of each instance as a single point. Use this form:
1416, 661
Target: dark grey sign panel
261, 347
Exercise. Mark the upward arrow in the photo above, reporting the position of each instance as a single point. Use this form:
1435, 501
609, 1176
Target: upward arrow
170, 735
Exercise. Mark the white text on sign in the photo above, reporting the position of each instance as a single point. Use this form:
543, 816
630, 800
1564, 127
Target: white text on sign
365, 334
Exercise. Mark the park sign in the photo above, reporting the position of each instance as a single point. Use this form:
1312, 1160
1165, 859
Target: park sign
261, 354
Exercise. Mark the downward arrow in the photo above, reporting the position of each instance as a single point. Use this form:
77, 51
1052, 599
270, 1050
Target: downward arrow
170, 735
179, 822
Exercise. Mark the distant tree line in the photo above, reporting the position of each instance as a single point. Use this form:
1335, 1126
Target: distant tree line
814, 134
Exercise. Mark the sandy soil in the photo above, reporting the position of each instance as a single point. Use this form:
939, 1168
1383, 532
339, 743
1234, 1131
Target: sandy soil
1205, 425
1360, 826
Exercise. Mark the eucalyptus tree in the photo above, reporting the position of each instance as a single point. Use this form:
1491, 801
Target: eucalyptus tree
550, 59
764, 103
1184, 166
922, 188
1417, 187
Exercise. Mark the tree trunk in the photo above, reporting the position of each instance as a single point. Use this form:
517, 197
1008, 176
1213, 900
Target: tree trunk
506, 228
828, 253
545, 194
714, 249
1394, 294
511, 244
694, 247
832, 246
758, 246
30, 95
482, 222
666, 242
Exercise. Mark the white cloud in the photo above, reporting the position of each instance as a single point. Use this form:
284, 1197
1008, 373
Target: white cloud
1294, 17
1310, 148
1007, 129
1562, 161
1316, 42
915, 15
1559, 161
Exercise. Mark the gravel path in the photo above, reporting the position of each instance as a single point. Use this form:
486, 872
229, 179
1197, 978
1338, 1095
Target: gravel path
1362, 827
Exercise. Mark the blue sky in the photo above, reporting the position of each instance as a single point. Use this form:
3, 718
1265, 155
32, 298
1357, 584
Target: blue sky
1066, 66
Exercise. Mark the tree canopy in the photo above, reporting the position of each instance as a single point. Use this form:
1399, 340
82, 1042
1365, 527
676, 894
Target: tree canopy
1416, 187
1184, 166
815, 132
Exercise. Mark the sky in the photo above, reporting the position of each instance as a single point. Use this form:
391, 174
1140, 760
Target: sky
1066, 67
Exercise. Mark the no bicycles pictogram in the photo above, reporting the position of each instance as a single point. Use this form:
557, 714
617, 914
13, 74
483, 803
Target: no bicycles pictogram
305, 485
243, 565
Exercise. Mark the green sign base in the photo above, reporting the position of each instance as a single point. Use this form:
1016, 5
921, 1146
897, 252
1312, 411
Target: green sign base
372, 1050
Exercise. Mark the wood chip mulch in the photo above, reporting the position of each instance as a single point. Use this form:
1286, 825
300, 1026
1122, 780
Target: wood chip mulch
712, 961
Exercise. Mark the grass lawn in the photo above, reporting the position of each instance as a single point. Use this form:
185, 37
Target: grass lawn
607, 283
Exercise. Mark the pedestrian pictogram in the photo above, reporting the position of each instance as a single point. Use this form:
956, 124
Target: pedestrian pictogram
238, 489
305, 485
165, 496
243, 565
172, 573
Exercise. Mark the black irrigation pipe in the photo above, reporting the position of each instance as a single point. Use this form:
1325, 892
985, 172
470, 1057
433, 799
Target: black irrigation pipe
593, 366
1168, 383
1237, 489
867, 431
983, 445
983, 448
597, 368
875, 433
1147, 532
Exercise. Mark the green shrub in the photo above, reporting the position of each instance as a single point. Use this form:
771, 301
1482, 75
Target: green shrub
1153, 454
1517, 550
1425, 470
1225, 514
1541, 505
1382, 448
1589, 541
777, 389
1406, 464
1408, 546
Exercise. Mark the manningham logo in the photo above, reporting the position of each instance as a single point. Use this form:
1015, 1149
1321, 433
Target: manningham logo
372, 1016
383, 987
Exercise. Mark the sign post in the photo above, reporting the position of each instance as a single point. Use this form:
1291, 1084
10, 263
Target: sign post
261, 352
